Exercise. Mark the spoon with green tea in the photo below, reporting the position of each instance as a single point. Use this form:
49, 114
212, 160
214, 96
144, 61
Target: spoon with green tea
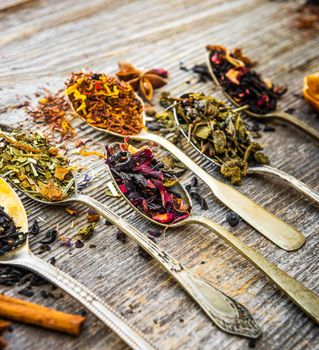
44, 175
156, 194
112, 107
244, 87
217, 132
16, 251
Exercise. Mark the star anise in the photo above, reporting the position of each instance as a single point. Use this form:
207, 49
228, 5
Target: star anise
143, 82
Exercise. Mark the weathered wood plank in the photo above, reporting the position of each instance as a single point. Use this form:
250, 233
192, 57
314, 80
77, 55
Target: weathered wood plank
42, 42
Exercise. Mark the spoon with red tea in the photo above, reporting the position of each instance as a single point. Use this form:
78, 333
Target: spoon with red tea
244, 87
19, 254
159, 197
112, 107
183, 117
225, 312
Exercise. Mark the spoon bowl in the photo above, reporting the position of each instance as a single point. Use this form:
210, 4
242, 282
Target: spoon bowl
23, 257
272, 227
307, 300
256, 169
225, 312
277, 114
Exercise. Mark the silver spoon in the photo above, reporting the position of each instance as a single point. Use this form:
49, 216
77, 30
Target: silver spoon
226, 313
272, 227
23, 257
307, 300
273, 115
257, 169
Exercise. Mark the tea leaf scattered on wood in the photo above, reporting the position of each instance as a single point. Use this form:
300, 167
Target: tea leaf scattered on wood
53, 109
106, 102
244, 85
35, 166
219, 132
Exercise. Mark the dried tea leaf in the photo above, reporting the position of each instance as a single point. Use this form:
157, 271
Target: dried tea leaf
61, 172
202, 132
51, 192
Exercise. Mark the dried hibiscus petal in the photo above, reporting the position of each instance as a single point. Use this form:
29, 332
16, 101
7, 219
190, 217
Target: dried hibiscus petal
145, 183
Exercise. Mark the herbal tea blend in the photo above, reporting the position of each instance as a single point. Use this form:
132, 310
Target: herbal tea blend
106, 102
10, 236
218, 132
245, 86
34, 165
52, 110
147, 184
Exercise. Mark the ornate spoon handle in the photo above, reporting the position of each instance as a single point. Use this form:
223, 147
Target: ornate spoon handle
225, 312
275, 229
297, 184
134, 338
296, 122
307, 300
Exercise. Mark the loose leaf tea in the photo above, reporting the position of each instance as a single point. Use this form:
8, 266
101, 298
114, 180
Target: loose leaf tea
244, 85
106, 102
147, 184
52, 109
35, 166
10, 235
218, 132
143, 82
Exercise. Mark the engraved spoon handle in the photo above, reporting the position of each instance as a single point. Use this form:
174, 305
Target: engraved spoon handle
307, 300
275, 229
134, 338
296, 122
225, 312
297, 184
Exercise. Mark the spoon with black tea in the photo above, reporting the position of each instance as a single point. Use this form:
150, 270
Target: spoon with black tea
22, 256
226, 313
275, 114
272, 227
136, 175
180, 116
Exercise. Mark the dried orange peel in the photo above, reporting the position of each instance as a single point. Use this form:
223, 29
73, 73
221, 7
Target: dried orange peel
311, 90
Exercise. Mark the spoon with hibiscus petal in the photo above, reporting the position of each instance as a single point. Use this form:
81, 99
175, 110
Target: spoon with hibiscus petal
83, 102
160, 198
225, 312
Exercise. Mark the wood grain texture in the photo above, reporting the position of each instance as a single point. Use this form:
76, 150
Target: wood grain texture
42, 41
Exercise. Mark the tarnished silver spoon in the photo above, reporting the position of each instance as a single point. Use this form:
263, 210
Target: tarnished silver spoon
257, 169
23, 257
307, 300
281, 115
226, 313
272, 227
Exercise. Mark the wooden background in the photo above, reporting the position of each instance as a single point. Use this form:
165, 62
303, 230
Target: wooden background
42, 41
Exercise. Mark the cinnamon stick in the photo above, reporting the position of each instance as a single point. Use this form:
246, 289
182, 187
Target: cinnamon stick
26, 312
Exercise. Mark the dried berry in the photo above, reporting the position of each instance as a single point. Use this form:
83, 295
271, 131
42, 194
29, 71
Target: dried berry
233, 219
